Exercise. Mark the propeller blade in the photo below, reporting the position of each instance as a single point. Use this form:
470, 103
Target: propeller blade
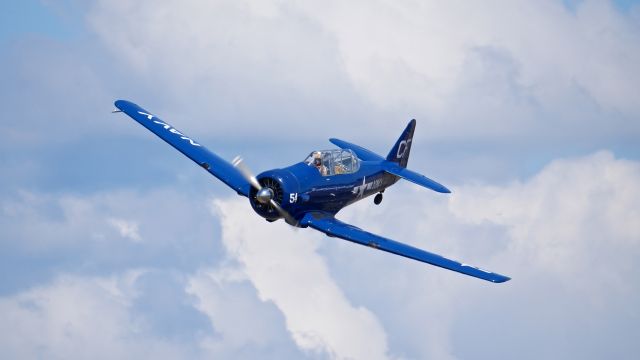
246, 172
287, 217
248, 175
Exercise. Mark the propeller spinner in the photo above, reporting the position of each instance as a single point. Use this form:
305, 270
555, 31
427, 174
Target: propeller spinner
265, 195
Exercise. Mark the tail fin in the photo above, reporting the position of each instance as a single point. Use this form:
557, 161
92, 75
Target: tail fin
400, 151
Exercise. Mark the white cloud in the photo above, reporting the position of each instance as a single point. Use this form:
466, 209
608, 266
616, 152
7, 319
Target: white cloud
566, 218
245, 324
77, 318
127, 229
516, 71
108, 227
284, 267
487, 69
567, 236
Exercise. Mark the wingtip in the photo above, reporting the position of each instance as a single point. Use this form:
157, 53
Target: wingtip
500, 279
120, 103
440, 188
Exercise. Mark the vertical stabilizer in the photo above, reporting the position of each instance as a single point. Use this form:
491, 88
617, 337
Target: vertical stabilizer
400, 151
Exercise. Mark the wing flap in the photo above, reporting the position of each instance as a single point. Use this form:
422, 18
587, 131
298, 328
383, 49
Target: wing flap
211, 162
414, 177
363, 154
329, 225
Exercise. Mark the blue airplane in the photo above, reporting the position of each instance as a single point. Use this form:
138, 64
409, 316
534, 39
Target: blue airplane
312, 192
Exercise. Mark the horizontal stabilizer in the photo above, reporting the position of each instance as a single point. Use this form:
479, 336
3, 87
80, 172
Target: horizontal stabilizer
362, 153
414, 177
331, 226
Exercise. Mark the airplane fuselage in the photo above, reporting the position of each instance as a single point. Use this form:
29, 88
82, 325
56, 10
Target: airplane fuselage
304, 189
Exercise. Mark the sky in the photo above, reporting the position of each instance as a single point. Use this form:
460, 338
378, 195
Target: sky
113, 245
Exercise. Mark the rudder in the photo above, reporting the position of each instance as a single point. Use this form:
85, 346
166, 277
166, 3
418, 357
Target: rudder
400, 151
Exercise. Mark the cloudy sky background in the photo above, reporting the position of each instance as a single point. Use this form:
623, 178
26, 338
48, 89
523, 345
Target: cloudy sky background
113, 245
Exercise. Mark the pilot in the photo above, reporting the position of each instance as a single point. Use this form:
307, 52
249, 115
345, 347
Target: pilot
317, 162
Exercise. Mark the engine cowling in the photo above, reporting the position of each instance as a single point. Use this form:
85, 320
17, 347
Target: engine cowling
282, 183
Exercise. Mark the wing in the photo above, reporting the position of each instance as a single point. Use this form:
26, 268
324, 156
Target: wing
333, 227
414, 177
363, 154
211, 162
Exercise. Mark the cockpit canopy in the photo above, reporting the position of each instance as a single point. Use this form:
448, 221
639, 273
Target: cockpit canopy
333, 162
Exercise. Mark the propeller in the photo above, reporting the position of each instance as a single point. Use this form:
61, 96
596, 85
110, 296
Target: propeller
265, 194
